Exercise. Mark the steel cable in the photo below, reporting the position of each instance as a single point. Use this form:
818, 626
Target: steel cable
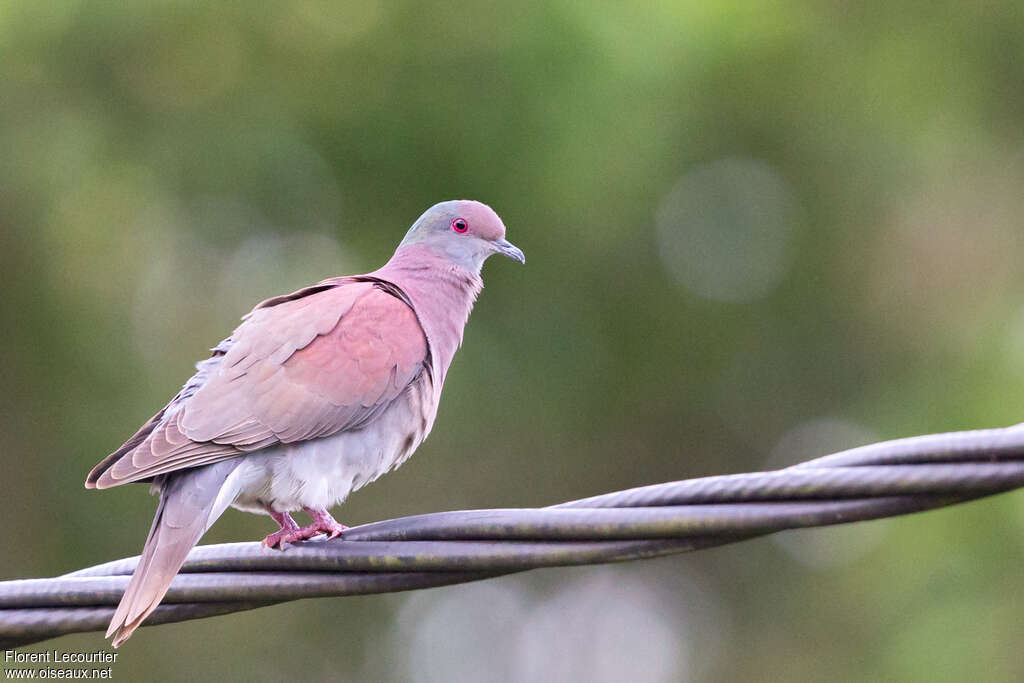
879, 480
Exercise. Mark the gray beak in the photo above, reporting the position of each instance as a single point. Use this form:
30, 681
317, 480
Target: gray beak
506, 248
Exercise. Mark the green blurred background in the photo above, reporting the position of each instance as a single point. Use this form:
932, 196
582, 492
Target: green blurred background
756, 233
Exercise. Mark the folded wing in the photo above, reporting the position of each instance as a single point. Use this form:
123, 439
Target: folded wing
322, 360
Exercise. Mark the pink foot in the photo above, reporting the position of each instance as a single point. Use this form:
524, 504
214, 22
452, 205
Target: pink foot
323, 523
290, 532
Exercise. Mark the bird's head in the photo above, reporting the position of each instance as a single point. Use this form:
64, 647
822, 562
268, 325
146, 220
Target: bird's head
464, 231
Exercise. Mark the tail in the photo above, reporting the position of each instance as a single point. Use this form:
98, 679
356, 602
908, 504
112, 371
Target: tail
190, 501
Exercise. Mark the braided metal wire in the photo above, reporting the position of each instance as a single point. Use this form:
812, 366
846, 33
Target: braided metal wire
879, 480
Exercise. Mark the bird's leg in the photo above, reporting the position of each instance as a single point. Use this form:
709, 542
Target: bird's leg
322, 523
288, 533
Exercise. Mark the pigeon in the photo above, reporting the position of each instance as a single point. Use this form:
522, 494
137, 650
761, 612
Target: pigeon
314, 395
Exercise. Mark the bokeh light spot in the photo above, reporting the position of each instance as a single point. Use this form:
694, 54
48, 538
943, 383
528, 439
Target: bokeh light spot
827, 546
596, 625
724, 229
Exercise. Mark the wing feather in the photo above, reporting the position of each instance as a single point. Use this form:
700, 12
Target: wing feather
299, 367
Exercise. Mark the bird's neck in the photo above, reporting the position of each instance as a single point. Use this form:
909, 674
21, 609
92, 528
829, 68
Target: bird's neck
442, 295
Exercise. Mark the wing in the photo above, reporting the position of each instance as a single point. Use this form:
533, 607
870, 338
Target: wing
323, 360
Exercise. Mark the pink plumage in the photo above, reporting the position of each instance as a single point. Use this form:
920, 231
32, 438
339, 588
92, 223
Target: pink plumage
314, 395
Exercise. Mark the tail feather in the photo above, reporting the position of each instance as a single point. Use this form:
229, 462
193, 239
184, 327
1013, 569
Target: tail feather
190, 501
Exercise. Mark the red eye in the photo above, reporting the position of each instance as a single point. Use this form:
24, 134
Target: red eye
460, 225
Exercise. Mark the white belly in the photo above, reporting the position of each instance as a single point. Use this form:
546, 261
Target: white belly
322, 472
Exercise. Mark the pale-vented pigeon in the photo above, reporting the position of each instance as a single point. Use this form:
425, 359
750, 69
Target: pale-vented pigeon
315, 394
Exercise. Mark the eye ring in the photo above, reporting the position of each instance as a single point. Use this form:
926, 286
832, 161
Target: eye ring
460, 225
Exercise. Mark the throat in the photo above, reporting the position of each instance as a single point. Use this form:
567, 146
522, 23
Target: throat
442, 295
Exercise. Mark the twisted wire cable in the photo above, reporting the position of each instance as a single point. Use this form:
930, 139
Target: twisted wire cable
879, 480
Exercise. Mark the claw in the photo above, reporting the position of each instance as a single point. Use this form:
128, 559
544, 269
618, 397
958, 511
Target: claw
276, 540
288, 533
323, 523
